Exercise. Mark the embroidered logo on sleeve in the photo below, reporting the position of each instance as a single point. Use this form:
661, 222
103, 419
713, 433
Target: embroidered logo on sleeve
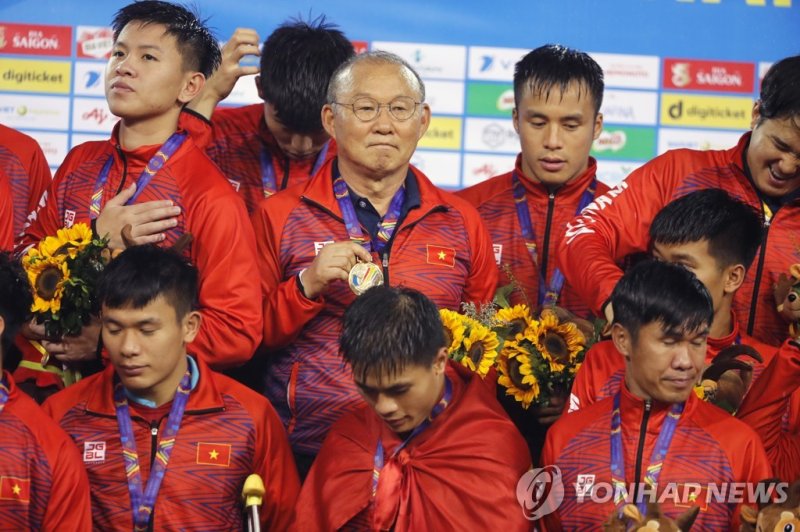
15, 489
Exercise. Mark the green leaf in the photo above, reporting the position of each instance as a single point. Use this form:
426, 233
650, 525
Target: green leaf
502, 295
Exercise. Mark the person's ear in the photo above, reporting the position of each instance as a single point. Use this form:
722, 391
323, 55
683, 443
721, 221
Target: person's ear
191, 325
440, 362
622, 340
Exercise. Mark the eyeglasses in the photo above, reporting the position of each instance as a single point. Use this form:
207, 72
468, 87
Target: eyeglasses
367, 109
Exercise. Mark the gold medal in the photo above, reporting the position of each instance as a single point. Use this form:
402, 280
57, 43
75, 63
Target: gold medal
363, 276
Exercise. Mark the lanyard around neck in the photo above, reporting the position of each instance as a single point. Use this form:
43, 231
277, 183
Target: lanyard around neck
269, 181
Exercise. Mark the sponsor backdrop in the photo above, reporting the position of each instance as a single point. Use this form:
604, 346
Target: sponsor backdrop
679, 73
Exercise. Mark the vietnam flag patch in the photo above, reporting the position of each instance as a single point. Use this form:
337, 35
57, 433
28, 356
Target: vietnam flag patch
15, 489
217, 454
441, 256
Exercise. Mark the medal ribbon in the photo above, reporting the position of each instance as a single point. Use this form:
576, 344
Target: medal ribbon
656, 459
143, 504
386, 497
4, 392
269, 183
155, 164
385, 228
548, 293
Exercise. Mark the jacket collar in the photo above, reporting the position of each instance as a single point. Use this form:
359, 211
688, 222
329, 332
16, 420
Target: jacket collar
205, 396
574, 187
319, 190
633, 409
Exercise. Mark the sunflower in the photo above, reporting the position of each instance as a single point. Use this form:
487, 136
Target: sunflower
559, 344
481, 346
516, 374
74, 239
47, 277
454, 329
518, 318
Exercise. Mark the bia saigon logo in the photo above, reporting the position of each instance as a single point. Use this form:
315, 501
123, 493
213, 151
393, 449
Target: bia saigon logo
540, 492
681, 76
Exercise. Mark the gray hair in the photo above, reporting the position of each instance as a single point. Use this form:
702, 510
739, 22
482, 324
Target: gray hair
342, 78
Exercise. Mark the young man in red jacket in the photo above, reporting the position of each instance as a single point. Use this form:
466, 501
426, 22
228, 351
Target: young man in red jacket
655, 440
167, 442
430, 450
367, 206
714, 236
558, 94
43, 485
151, 167
267, 147
23, 164
763, 170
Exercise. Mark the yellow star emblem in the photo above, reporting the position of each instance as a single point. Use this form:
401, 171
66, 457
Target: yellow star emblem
213, 454
442, 255
16, 489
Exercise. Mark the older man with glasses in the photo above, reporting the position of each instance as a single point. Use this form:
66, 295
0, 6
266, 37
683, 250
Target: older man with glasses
367, 218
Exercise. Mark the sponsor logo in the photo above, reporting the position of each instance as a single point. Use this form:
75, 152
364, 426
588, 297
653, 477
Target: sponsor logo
69, 218
36, 39
717, 76
498, 253
493, 64
481, 166
443, 168
630, 107
35, 76
484, 134
38, 112
430, 60
695, 139
89, 79
540, 492
490, 99
443, 133
360, 46
629, 71
706, 111
54, 146
94, 452
583, 486
613, 172
319, 245
90, 114
445, 97
95, 42
617, 142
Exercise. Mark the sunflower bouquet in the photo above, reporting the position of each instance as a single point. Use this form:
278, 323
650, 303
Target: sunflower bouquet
535, 358
63, 271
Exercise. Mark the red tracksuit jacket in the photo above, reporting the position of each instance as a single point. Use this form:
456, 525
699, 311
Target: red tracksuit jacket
43, 485
708, 447
308, 383
199, 492
603, 369
763, 410
549, 213
6, 216
240, 135
25, 167
617, 224
223, 245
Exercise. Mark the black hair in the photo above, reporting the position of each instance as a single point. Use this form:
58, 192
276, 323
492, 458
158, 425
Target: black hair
733, 229
196, 44
387, 329
297, 61
142, 273
555, 66
657, 291
15, 300
779, 90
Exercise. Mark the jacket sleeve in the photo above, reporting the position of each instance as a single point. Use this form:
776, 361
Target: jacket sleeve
230, 298
764, 405
275, 464
286, 309
615, 225
583, 392
45, 219
483, 275
69, 506
39, 177
6, 218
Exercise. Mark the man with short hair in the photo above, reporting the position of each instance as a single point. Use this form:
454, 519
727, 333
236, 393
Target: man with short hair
173, 441
558, 92
367, 207
151, 164
763, 170
43, 485
430, 450
655, 437
715, 237
266, 147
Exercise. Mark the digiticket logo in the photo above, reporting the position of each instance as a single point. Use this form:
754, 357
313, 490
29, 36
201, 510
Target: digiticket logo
706, 111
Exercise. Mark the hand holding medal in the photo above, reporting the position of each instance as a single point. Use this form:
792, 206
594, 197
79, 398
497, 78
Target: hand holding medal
347, 261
